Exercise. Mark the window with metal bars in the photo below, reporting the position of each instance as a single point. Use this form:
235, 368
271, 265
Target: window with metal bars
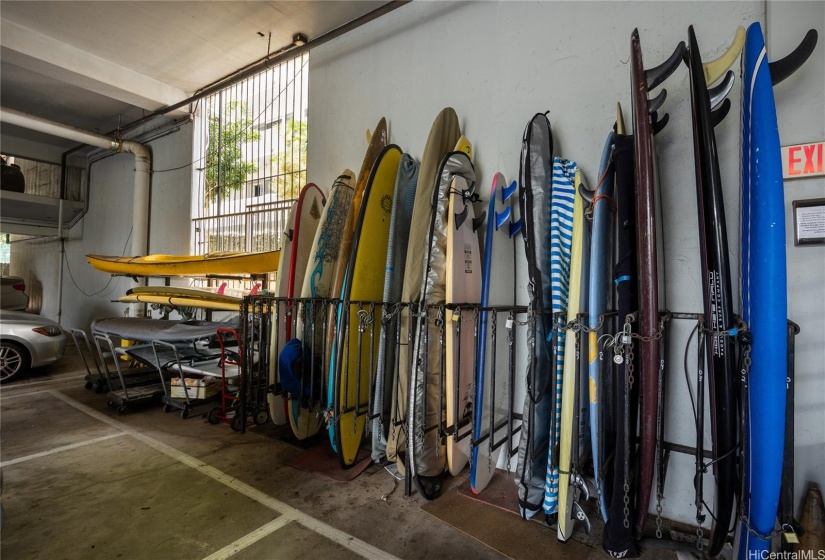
250, 143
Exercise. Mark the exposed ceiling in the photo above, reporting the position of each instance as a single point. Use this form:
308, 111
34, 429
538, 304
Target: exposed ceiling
96, 64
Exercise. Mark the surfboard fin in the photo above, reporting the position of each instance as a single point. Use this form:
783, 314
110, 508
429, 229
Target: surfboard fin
515, 227
657, 124
784, 67
619, 119
507, 192
714, 69
289, 234
719, 114
655, 104
586, 194
580, 517
478, 221
503, 217
719, 92
461, 216
658, 74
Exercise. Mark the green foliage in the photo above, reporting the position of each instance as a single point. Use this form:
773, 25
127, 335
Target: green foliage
226, 168
292, 162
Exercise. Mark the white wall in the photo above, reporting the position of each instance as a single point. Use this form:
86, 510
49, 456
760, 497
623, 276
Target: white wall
499, 63
105, 229
800, 103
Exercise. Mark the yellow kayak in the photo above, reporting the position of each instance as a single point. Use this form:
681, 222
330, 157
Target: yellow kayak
228, 263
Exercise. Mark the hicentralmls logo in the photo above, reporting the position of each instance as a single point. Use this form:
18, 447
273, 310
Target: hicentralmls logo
798, 555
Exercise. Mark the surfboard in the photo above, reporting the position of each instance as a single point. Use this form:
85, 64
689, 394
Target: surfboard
297, 238
568, 454
427, 453
597, 305
305, 416
226, 263
356, 341
497, 289
717, 295
764, 285
402, 207
463, 285
183, 301
535, 175
180, 291
376, 142
442, 137
648, 248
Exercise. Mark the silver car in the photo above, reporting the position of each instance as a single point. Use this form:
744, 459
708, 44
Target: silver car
27, 341
13, 293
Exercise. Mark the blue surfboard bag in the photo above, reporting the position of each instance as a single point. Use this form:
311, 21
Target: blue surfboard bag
293, 360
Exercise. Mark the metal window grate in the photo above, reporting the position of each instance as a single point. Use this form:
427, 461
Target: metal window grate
250, 143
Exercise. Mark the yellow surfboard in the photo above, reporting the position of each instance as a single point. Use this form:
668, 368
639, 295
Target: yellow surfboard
364, 282
173, 301
569, 401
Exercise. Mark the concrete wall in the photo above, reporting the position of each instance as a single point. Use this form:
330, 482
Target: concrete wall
105, 230
499, 63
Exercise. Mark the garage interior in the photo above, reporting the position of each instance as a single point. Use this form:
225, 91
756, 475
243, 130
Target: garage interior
88, 89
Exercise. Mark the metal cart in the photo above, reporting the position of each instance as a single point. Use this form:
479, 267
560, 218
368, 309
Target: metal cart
125, 395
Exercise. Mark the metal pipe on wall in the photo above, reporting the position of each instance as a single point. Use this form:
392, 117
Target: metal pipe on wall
143, 175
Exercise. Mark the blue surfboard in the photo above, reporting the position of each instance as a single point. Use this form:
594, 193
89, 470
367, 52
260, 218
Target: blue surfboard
764, 295
497, 289
600, 251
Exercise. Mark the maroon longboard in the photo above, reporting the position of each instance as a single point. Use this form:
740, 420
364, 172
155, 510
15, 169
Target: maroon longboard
645, 125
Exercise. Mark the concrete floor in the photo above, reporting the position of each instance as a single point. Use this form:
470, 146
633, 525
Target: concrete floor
81, 481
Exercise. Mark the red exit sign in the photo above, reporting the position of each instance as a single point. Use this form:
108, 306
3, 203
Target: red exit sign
803, 160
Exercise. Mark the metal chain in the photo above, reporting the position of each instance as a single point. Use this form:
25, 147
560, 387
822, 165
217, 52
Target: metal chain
659, 515
628, 385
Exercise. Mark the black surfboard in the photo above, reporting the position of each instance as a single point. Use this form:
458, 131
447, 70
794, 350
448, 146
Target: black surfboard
717, 295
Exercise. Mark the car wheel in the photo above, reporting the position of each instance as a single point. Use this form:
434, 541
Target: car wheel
14, 360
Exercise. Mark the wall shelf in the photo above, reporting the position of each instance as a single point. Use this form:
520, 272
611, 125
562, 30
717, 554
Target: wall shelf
29, 214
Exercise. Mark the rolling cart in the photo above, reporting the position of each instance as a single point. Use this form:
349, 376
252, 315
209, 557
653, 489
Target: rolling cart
97, 380
184, 362
232, 408
125, 395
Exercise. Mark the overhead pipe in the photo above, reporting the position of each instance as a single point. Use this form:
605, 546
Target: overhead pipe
143, 171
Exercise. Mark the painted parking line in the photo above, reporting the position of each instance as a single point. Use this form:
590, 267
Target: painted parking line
60, 449
346, 540
250, 539
11, 388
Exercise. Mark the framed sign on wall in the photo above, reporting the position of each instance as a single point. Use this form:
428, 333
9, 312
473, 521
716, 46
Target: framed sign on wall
809, 221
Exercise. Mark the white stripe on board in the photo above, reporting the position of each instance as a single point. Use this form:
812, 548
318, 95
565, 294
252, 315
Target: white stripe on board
247, 540
60, 449
348, 541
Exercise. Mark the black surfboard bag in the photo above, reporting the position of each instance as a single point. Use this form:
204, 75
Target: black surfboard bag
618, 540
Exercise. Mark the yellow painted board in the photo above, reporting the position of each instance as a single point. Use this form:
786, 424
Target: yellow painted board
569, 401
201, 303
360, 351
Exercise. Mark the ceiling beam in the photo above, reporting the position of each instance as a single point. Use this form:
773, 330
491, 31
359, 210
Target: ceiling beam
48, 56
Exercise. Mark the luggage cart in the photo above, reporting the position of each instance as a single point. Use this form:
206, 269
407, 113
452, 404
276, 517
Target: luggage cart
96, 380
174, 359
126, 394
231, 410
